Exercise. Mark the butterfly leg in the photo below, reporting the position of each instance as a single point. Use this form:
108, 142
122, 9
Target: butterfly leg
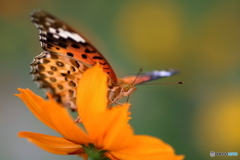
78, 120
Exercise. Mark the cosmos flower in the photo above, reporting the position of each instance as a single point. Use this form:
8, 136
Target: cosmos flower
104, 133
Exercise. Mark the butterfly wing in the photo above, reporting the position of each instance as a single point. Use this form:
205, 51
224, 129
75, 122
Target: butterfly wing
58, 74
149, 76
66, 57
57, 36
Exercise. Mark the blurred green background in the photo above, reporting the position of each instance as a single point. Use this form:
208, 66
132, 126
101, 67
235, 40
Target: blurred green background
200, 38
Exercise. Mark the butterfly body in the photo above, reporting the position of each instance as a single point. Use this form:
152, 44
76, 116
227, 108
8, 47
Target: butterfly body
119, 91
67, 55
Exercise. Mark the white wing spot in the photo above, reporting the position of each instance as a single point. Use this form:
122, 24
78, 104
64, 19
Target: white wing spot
49, 20
47, 23
162, 73
62, 33
74, 36
52, 30
80, 39
56, 36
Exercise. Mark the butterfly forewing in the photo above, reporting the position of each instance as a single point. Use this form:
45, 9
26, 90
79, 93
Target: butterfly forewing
149, 76
57, 36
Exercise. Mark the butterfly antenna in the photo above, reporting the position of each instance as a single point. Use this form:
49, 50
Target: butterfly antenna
181, 82
139, 72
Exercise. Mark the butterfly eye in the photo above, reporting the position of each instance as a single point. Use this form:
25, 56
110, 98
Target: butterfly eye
126, 87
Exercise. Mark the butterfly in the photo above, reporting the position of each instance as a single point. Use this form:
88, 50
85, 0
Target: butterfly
67, 55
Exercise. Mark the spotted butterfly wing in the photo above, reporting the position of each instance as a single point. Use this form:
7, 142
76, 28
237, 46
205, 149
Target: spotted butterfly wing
67, 55
149, 76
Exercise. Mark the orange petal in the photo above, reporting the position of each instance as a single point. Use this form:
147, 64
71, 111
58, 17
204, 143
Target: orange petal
92, 108
34, 104
52, 144
147, 147
92, 97
118, 133
65, 125
55, 116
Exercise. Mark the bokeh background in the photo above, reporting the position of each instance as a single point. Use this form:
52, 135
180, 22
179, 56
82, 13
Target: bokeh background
200, 38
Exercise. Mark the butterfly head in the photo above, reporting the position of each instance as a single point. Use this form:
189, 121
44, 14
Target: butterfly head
120, 91
127, 89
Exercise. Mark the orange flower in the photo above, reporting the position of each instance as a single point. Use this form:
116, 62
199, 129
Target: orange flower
106, 131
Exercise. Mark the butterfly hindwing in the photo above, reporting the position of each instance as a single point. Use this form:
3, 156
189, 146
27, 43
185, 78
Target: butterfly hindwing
57, 36
59, 75
149, 76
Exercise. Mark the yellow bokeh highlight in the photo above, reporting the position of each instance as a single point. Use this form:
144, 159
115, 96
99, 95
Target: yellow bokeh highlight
150, 30
217, 124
